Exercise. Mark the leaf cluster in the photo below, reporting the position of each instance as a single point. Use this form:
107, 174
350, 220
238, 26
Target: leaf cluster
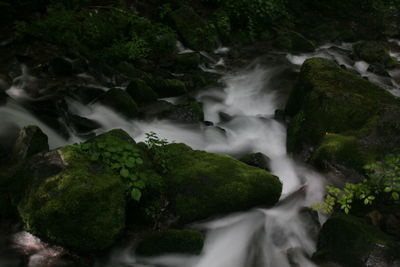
382, 181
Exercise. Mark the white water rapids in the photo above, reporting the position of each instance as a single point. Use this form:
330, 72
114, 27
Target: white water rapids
276, 237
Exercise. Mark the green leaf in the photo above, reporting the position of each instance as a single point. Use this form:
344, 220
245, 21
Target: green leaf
395, 196
388, 189
139, 184
124, 172
139, 161
136, 194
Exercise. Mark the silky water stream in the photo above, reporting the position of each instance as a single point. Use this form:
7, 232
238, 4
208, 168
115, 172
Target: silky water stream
242, 113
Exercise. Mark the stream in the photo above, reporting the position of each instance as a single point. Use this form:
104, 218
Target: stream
242, 115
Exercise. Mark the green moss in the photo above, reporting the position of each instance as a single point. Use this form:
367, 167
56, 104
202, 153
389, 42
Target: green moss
171, 241
120, 101
374, 52
348, 240
206, 184
197, 33
141, 92
81, 207
342, 150
328, 99
187, 61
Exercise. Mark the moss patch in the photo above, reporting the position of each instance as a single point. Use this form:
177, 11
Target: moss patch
206, 184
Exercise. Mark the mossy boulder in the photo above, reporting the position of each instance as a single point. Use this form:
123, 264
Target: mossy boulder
71, 200
204, 184
187, 61
258, 160
121, 102
294, 42
171, 241
351, 242
167, 87
375, 52
196, 32
341, 112
141, 92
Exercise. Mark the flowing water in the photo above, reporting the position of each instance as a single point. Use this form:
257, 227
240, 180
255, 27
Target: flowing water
280, 236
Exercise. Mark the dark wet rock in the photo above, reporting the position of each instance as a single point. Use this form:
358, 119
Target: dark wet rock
86, 94
83, 126
31, 140
375, 52
71, 200
121, 102
378, 69
141, 92
224, 117
280, 115
310, 221
351, 242
191, 112
258, 160
167, 87
60, 66
171, 241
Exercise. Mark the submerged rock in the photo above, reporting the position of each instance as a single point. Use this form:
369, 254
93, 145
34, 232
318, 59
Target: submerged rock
171, 241
341, 116
205, 184
72, 200
191, 112
351, 242
31, 140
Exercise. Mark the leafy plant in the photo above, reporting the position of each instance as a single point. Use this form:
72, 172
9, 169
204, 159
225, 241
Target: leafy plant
157, 147
382, 182
124, 159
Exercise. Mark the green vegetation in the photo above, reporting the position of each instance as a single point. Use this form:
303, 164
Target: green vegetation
382, 184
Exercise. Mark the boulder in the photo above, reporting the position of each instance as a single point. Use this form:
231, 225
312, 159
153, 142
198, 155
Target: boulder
72, 200
61, 66
196, 33
171, 241
258, 160
342, 117
374, 52
121, 102
191, 112
140, 92
351, 242
187, 61
204, 184
31, 140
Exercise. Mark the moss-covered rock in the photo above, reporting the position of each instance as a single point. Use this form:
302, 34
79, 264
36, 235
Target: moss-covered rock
72, 200
295, 42
375, 52
187, 61
205, 184
141, 92
197, 33
342, 150
167, 87
171, 241
351, 242
329, 100
121, 102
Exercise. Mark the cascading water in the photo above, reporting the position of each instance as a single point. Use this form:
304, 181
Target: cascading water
280, 236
